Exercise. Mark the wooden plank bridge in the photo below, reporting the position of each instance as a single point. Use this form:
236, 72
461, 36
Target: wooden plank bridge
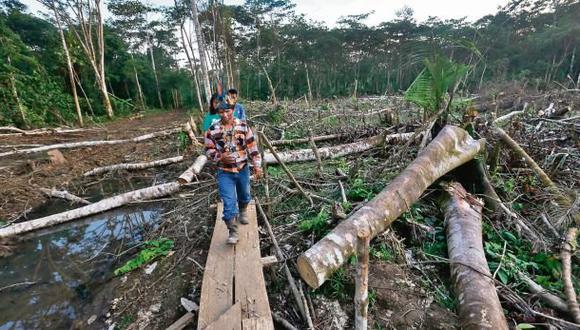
233, 292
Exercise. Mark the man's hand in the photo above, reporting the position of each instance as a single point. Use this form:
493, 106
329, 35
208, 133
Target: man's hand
228, 158
258, 173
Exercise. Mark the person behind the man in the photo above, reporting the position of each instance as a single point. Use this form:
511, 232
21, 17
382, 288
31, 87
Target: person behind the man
229, 143
212, 116
232, 99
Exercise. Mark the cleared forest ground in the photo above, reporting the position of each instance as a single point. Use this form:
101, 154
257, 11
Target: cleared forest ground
409, 280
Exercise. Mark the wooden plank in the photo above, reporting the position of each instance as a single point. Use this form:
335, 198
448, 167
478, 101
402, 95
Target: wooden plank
249, 277
217, 286
230, 320
262, 323
183, 322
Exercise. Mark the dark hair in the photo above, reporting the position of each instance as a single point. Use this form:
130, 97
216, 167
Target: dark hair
233, 91
213, 110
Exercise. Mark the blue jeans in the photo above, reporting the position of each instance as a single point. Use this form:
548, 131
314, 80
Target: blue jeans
234, 189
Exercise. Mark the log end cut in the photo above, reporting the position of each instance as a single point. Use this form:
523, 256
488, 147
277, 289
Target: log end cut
307, 272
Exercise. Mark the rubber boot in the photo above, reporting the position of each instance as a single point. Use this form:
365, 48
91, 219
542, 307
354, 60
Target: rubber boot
243, 216
233, 232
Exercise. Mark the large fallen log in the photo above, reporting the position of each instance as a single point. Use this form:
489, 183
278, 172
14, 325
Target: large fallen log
479, 305
134, 166
306, 140
451, 148
304, 155
83, 144
101, 206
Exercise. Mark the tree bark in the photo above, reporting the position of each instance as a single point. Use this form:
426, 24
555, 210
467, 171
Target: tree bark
451, 148
155, 73
101, 206
479, 306
64, 195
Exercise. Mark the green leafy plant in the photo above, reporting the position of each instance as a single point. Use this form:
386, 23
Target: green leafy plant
317, 224
153, 249
428, 90
183, 140
359, 190
381, 252
336, 286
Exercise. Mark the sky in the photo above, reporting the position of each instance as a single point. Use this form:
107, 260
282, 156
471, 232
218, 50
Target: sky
329, 11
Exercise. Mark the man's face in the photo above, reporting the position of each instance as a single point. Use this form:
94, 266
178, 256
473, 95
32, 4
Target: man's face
226, 114
232, 98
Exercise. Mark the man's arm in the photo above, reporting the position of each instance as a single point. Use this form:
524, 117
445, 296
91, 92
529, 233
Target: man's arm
210, 148
252, 149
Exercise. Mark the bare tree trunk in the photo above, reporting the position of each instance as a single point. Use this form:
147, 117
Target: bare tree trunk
138, 83
155, 73
95, 56
191, 59
69, 65
303, 155
270, 86
308, 82
479, 306
15, 95
134, 166
202, 51
451, 148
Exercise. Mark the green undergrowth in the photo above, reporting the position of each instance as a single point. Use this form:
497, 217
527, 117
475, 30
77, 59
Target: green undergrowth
153, 249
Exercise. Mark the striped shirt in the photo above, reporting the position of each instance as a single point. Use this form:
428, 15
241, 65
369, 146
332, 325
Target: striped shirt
238, 139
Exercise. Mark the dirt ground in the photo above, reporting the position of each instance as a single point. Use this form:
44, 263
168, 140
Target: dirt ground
21, 176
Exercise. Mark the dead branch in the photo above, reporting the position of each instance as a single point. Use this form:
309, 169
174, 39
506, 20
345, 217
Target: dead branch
550, 299
451, 148
280, 254
306, 140
63, 194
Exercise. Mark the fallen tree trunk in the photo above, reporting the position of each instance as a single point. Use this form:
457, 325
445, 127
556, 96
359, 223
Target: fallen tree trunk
306, 140
479, 305
304, 155
64, 195
134, 166
566, 255
43, 131
550, 299
91, 143
98, 207
451, 148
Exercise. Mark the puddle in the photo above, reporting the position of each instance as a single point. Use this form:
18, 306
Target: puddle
61, 274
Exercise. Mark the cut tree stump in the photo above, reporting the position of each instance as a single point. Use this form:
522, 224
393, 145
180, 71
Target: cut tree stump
451, 148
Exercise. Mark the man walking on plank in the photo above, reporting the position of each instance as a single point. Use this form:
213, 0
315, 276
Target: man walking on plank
229, 143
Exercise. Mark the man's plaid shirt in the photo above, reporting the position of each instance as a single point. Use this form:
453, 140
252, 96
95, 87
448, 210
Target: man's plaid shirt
238, 139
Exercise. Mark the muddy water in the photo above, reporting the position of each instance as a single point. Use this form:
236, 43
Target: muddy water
65, 273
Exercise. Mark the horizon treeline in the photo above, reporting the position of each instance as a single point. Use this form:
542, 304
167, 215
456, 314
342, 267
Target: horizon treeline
139, 56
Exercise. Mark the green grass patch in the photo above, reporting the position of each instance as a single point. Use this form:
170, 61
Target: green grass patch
153, 249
